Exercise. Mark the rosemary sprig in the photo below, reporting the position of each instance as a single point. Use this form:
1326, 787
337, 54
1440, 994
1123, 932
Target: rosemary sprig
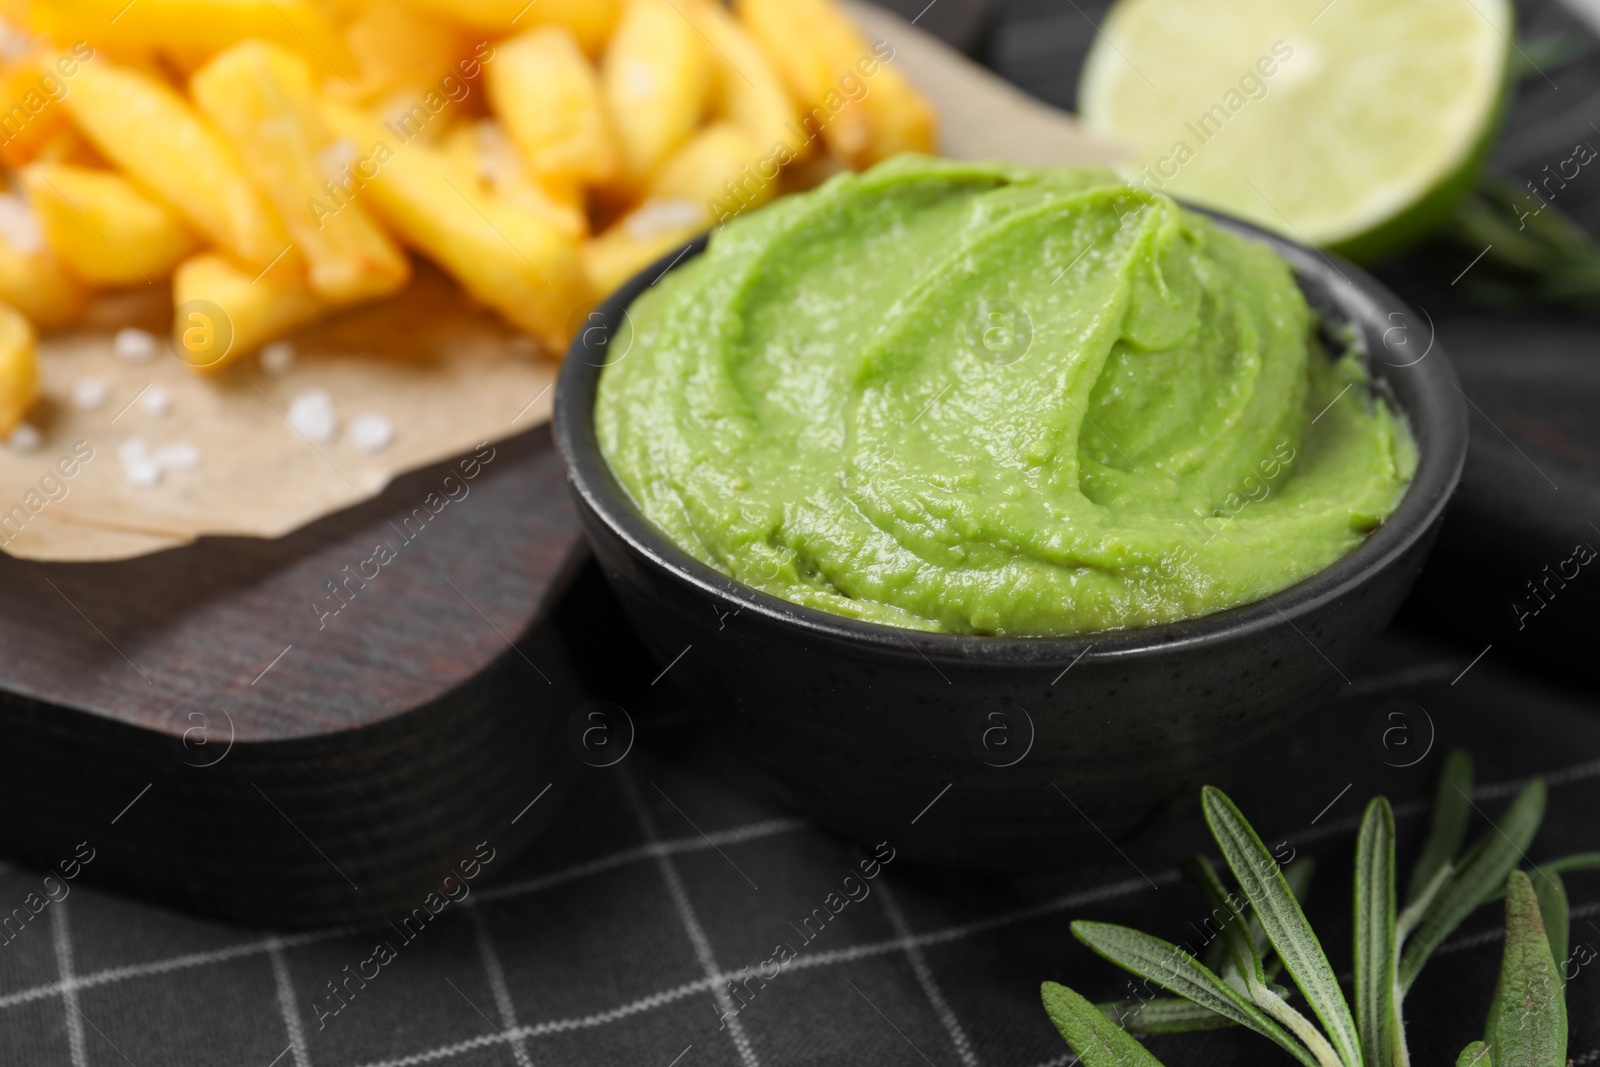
1527, 1022
1532, 254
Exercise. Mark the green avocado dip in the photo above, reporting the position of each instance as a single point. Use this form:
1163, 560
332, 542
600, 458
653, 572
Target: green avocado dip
978, 398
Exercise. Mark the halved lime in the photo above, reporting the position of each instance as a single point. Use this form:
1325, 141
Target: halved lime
1348, 124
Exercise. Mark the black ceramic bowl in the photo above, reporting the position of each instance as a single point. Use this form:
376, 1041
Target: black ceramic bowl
862, 726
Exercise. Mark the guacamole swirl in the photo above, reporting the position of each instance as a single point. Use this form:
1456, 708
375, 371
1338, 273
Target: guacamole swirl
986, 399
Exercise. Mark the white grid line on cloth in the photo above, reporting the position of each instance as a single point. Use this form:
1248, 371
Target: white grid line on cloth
287, 1003
691, 924
62, 932
748, 832
934, 937
497, 985
924, 976
556, 1026
1565, 776
736, 835
1562, 777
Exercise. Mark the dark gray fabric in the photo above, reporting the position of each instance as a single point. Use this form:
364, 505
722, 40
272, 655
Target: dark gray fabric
673, 866
671, 871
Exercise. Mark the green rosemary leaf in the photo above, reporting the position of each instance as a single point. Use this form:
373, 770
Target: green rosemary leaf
1538, 56
1227, 910
1298, 875
1414, 911
1582, 861
1285, 924
1553, 909
1098, 1041
1486, 863
1376, 1010
1451, 811
1474, 1055
1528, 1021
1162, 1015
1176, 971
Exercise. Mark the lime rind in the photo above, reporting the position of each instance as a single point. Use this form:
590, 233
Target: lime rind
1353, 125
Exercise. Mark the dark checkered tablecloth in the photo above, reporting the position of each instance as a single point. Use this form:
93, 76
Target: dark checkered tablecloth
628, 934
670, 876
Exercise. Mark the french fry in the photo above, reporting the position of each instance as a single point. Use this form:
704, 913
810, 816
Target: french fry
656, 79
746, 89
863, 108
640, 238
549, 98
711, 178
103, 228
150, 132
483, 151
32, 279
903, 121
723, 169
803, 39
393, 44
255, 310
590, 21
31, 115
19, 369
192, 31
260, 97
508, 259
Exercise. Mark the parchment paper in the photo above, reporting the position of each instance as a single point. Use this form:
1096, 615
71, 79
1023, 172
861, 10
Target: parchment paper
445, 375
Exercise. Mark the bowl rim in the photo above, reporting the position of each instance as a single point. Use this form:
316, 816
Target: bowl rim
1433, 408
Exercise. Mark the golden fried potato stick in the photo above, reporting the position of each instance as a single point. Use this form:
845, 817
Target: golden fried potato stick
19, 369
261, 99
549, 98
718, 169
656, 78
591, 21
746, 88
192, 31
849, 92
33, 281
398, 48
152, 133
707, 181
31, 90
103, 228
222, 313
812, 55
508, 259
483, 153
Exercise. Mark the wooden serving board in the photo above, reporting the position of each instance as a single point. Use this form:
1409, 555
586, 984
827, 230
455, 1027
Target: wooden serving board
318, 728
229, 736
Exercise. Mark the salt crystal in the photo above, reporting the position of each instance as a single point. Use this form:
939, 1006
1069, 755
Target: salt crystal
371, 433
337, 157
137, 466
657, 218
132, 451
277, 357
19, 226
25, 438
143, 473
312, 414
90, 393
134, 345
499, 162
177, 456
155, 401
